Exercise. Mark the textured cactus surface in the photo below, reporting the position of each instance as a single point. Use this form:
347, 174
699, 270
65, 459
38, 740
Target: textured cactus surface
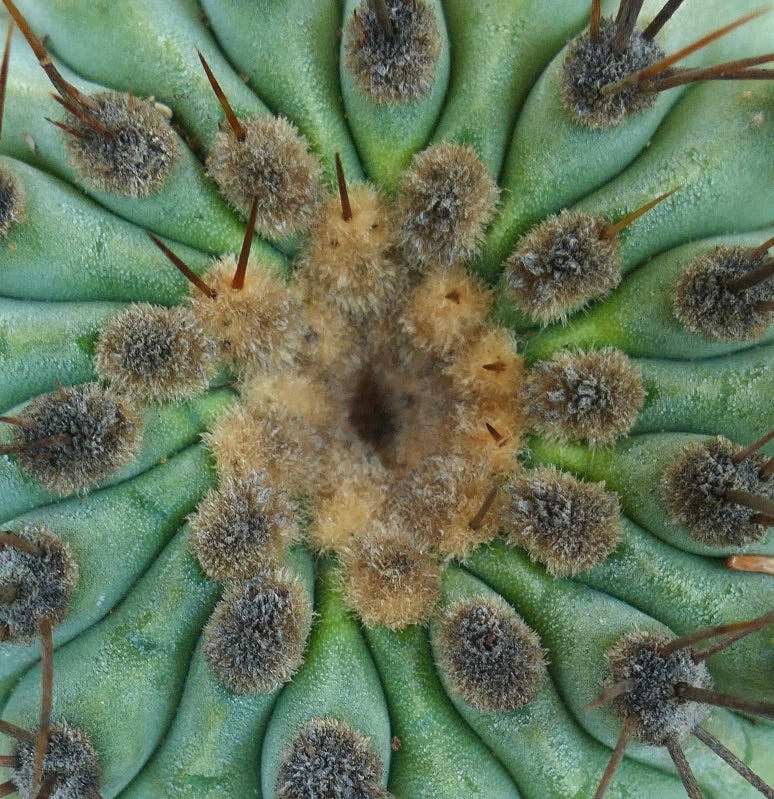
410, 490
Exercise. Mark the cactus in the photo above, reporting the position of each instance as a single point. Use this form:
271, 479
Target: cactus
385, 398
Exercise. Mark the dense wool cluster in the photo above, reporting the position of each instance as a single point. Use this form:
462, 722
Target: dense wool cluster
256, 326
270, 161
652, 701
447, 199
390, 580
561, 264
150, 353
70, 760
707, 301
328, 759
11, 202
392, 51
565, 523
75, 437
37, 581
489, 655
590, 66
699, 485
593, 395
131, 152
350, 263
446, 310
255, 639
240, 527
436, 502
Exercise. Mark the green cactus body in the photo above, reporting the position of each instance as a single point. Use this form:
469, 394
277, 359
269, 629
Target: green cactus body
585, 159
422, 490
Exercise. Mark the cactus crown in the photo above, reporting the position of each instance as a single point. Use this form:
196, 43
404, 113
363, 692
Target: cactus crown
397, 394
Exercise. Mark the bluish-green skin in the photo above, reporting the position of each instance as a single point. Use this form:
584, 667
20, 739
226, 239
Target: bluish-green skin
339, 681
187, 208
579, 159
500, 47
578, 625
634, 469
115, 536
545, 751
388, 135
213, 747
150, 637
166, 430
713, 395
438, 757
99, 248
42, 344
166, 728
638, 317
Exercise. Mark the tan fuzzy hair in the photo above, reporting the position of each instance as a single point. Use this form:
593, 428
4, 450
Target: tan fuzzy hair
490, 367
422, 424
354, 498
275, 441
439, 504
491, 430
256, 327
447, 198
490, 415
150, 353
445, 311
348, 263
273, 163
334, 341
389, 580
306, 397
